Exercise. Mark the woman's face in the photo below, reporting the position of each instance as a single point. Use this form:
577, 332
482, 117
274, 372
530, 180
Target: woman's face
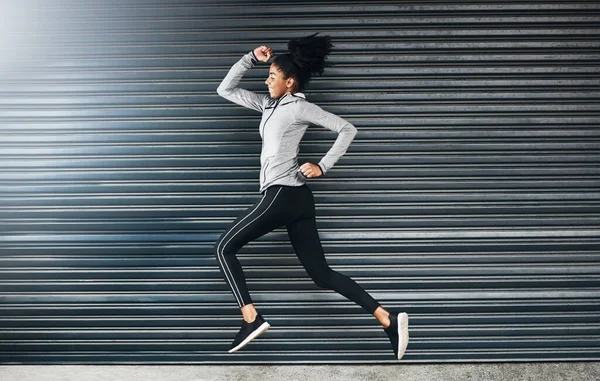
278, 85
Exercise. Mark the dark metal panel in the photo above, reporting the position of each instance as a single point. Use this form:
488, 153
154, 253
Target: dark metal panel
470, 197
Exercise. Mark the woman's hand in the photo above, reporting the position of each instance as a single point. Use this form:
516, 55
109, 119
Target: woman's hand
263, 53
310, 170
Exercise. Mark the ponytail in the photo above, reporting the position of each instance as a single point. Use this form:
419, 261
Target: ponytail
305, 57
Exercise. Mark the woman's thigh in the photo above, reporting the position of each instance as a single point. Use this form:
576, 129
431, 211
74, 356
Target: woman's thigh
307, 245
274, 209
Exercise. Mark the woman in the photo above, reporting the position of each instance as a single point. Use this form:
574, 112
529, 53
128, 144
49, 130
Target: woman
286, 199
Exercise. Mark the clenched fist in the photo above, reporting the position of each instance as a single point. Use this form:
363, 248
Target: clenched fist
263, 53
310, 170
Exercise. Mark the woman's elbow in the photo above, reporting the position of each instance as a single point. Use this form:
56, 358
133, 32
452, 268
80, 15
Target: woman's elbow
222, 91
351, 130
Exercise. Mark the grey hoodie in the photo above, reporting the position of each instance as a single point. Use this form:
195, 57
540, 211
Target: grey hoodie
284, 122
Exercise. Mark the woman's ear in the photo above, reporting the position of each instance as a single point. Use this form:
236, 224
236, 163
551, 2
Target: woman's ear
290, 82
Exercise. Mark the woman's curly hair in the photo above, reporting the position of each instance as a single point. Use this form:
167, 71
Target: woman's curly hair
305, 57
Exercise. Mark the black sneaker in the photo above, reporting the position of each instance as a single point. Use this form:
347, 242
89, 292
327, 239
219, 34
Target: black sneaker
249, 332
397, 331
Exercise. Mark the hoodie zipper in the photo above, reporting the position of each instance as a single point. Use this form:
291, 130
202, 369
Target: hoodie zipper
264, 170
272, 112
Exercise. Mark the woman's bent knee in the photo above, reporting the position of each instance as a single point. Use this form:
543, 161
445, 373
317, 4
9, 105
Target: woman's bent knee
322, 279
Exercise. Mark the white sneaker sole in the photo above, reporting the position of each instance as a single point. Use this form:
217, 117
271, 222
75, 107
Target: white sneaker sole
259, 331
402, 333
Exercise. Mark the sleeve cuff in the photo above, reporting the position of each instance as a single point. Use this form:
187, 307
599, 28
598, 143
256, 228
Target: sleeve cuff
253, 58
322, 171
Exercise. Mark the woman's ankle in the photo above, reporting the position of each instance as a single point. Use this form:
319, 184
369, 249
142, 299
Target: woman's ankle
249, 313
382, 316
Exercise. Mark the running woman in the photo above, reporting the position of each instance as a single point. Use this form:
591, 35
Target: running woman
286, 199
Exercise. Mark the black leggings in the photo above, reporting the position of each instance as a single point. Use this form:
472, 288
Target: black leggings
293, 207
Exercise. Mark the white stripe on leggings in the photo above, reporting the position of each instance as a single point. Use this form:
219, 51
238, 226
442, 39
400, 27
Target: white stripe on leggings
221, 255
224, 263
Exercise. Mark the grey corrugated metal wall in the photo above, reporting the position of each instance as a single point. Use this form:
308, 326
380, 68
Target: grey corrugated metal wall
470, 197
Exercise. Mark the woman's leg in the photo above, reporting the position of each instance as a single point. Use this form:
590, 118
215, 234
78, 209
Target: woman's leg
274, 209
305, 239
307, 245
264, 216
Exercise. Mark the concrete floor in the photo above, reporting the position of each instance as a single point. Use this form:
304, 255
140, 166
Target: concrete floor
571, 371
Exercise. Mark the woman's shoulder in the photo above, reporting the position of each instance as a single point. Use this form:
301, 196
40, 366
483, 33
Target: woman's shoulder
297, 103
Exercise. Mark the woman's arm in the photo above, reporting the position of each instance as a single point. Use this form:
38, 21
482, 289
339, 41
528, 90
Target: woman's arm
228, 88
314, 114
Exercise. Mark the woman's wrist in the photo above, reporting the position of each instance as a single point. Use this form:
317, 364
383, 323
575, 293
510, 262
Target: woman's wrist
321, 168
